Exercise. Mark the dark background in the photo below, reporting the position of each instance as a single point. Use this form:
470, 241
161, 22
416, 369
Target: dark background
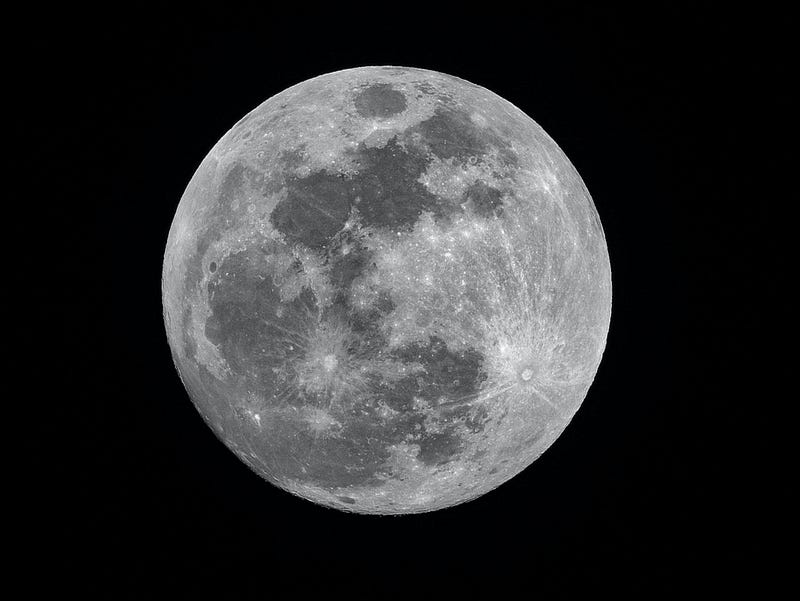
650, 490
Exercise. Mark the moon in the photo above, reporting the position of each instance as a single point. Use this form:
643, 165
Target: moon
387, 290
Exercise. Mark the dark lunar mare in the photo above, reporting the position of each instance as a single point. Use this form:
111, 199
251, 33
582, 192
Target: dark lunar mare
386, 191
225, 214
451, 134
447, 380
380, 100
484, 200
253, 341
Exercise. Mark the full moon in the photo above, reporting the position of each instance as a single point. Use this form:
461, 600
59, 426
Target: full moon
387, 290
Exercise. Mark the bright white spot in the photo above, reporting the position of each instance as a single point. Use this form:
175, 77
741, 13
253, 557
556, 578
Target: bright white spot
478, 119
527, 374
330, 363
183, 233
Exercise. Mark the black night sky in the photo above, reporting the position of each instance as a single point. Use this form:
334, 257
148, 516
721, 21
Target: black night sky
648, 490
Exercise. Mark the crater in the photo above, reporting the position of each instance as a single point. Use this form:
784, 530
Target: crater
380, 101
529, 372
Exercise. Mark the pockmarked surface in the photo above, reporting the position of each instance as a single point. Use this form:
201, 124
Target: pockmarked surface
387, 290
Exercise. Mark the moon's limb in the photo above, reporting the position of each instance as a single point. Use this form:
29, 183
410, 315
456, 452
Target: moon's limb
387, 290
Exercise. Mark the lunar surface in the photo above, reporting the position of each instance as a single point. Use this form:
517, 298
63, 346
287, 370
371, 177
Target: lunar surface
387, 290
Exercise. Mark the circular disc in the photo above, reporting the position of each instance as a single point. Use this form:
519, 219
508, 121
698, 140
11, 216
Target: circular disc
387, 290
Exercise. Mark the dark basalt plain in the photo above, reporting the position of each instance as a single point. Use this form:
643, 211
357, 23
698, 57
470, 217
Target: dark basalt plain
380, 100
298, 343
